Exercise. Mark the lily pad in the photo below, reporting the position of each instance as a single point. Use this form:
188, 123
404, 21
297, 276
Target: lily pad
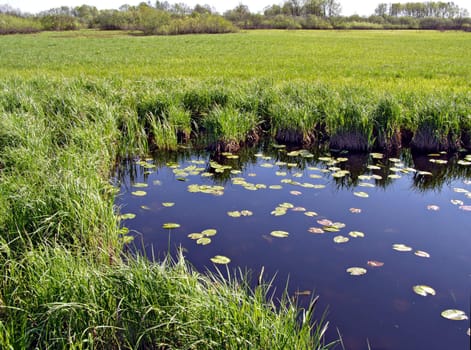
356, 234
361, 194
401, 248
275, 187
139, 185
139, 193
456, 202
455, 315
170, 225
246, 213
310, 213
220, 259
356, 271
325, 222
355, 210
423, 290
195, 235
203, 241
422, 254
331, 229
145, 207
286, 205
433, 207
465, 207
209, 232
234, 214
316, 230
168, 204
296, 193
127, 216
298, 209
279, 234
341, 239
375, 263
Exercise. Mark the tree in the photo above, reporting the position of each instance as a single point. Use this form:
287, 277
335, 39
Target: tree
381, 10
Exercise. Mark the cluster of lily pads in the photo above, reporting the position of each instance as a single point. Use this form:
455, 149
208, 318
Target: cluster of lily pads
287, 171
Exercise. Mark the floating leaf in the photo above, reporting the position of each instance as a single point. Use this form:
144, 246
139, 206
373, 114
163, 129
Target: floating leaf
234, 214
341, 239
275, 187
281, 173
469, 332
433, 207
373, 167
394, 176
286, 205
356, 271
266, 165
195, 235
315, 176
377, 155
279, 212
145, 207
324, 222
356, 234
203, 241
168, 204
361, 194
220, 259
424, 173
331, 229
374, 263
139, 185
279, 234
455, 315
402, 247
295, 193
316, 230
355, 210
422, 254
310, 213
127, 216
170, 225
298, 209
246, 213
465, 207
338, 225
423, 290
209, 232
460, 190
366, 184
456, 202
139, 193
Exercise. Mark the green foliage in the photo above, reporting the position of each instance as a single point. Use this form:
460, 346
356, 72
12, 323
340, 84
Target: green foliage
10, 24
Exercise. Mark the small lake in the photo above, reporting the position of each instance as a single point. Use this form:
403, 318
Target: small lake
309, 215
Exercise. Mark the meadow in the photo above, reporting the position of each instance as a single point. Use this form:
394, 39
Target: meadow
71, 103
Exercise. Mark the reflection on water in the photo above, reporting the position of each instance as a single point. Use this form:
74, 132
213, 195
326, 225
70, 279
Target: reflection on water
379, 307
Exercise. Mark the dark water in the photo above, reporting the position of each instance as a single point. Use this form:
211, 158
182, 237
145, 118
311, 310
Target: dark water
378, 308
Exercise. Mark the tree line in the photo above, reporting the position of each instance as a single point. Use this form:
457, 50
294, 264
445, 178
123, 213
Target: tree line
163, 18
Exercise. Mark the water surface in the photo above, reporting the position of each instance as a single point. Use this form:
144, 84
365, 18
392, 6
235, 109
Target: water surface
378, 308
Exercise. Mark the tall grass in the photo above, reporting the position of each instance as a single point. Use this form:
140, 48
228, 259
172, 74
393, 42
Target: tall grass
56, 299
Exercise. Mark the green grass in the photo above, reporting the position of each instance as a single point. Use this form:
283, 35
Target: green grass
397, 60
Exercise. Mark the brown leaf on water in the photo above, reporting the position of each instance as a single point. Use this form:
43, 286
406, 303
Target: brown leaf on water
374, 263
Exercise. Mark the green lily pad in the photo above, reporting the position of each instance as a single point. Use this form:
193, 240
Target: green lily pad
286, 205
423, 290
325, 222
279, 212
220, 259
209, 232
234, 214
356, 234
145, 207
455, 315
275, 187
422, 254
139, 193
341, 239
401, 248
356, 271
168, 204
203, 241
424, 173
127, 216
127, 239
170, 225
331, 229
246, 213
361, 194
366, 184
394, 176
310, 213
279, 234
139, 185
195, 235
456, 202
377, 155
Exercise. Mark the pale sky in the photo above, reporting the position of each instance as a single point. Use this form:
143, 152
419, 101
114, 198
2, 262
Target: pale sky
349, 7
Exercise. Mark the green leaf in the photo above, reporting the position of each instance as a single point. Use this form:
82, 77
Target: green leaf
195, 235
127, 216
401, 248
423, 290
356, 234
455, 315
209, 232
422, 254
139, 193
168, 204
203, 241
139, 185
170, 225
279, 234
361, 194
341, 239
356, 271
220, 259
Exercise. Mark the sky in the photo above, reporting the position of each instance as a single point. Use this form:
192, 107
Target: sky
349, 7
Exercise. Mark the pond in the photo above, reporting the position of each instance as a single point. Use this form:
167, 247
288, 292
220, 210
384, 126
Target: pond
308, 216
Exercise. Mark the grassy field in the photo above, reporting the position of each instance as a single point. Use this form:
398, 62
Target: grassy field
72, 102
427, 60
